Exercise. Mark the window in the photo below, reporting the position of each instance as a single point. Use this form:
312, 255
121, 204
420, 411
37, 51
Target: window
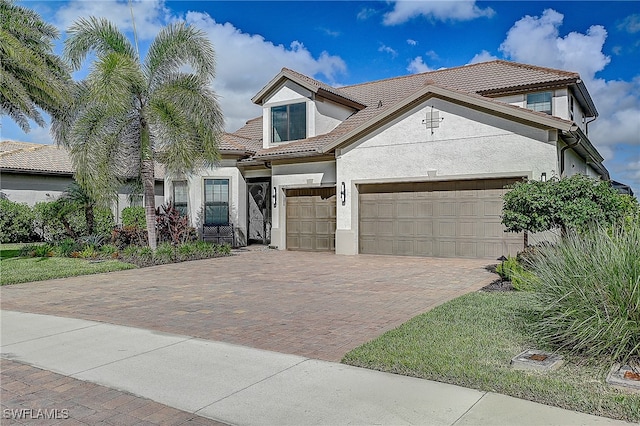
180, 196
216, 201
539, 102
289, 122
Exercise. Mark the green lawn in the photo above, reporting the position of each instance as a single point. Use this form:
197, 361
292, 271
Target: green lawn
19, 270
469, 341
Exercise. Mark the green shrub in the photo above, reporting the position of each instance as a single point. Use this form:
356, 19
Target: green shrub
165, 253
187, 251
224, 249
88, 252
104, 221
39, 250
588, 293
512, 270
65, 247
129, 235
16, 222
109, 250
57, 220
134, 217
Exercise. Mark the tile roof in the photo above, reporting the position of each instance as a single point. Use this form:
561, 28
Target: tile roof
33, 157
482, 81
28, 157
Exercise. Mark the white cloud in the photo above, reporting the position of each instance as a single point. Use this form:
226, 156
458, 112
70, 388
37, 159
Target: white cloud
417, 66
246, 62
630, 24
366, 13
483, 56
412, 42
149, 15
387, 49
536, 40
457, 10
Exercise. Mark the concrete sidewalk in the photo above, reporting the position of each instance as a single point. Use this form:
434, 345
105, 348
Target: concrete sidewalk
239, 385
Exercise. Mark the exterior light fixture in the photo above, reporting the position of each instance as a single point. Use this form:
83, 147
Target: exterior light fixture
275, 197
543, 177
343, 194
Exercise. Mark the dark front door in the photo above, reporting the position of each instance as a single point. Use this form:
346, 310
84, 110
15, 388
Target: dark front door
259, 211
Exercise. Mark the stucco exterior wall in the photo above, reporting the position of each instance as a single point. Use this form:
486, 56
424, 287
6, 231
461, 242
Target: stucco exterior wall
467, 144
31, 188
312, 174
237, 196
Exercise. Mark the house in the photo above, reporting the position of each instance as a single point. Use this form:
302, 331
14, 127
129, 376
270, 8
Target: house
31, 173
413, 165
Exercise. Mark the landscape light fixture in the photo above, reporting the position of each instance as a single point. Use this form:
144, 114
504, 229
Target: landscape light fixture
343, 194
543, 177
275, 197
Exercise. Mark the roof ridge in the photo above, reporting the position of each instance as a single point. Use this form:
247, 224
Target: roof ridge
495, 61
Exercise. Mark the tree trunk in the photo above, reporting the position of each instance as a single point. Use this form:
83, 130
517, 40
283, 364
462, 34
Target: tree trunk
91, 223
148, 184
147, 173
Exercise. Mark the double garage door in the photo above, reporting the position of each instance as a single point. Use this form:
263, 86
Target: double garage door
444, 219
311, 219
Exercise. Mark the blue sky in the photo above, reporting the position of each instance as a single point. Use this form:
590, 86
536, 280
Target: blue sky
348, 42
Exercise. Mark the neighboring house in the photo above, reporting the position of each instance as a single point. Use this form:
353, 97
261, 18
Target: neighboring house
31, 173
414, 165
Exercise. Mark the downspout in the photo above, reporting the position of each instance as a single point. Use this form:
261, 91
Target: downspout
586, 125
562, 155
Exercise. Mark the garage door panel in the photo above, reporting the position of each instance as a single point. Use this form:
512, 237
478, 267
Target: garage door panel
405, 247
447, 209
311, 223
467, 229
424, 248
446, 248
424, 208
405, 209
406, 228
450, 219
466, 249
446, 229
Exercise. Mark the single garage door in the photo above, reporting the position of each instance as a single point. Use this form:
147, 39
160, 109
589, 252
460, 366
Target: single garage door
311, 219
444, 219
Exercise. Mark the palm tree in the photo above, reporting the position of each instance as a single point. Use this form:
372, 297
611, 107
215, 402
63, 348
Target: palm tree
32, 75
128, 114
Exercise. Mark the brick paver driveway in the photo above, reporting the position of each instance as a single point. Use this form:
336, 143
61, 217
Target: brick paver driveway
311, 304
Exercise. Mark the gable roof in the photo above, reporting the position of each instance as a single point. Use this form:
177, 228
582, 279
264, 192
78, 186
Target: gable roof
473, 85
314, 86
27, 157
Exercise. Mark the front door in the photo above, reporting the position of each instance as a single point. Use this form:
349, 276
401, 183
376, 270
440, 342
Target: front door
259, 211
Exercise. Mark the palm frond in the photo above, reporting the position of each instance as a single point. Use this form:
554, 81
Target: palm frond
176, 46
95, 35
33, 77
188, 122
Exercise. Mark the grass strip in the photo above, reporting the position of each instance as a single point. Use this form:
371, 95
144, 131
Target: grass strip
470, 341
20, 270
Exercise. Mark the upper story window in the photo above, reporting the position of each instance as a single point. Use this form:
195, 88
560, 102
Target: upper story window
180, 196
539, 102
216, 201
289, 122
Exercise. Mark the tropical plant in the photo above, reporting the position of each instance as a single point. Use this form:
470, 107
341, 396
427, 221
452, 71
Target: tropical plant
128, 114
32, 75
587, 292
569, 203
172, 226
